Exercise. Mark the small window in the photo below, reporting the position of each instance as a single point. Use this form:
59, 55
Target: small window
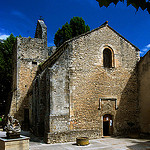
107, 58
34, 62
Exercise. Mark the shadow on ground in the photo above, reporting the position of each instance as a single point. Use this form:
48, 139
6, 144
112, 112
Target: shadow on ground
33, 138
140, 145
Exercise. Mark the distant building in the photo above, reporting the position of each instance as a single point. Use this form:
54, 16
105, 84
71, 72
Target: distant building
90, 86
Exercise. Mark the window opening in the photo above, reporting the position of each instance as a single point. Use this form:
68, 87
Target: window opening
107, 58
34, 62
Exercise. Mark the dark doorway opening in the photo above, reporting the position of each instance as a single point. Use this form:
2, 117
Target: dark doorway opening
26, 120
107, 125
107, 58
106, 128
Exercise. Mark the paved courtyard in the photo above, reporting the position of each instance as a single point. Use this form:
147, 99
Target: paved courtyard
97, 144
107, 143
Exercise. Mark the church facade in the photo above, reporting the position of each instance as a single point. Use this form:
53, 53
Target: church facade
89, 86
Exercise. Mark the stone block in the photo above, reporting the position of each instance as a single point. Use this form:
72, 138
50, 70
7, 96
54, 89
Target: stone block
21, 143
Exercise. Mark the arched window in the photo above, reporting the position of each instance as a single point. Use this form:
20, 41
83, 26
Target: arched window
107, 58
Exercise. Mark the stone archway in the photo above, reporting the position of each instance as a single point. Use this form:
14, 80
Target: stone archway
107, 125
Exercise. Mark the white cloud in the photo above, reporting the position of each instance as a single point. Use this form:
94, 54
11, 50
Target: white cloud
145, 49
3, 36
141, 52
148, 46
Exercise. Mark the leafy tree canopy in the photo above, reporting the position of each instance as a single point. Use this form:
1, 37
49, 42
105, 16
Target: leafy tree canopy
69, 30
78, 26
63, 34
6, 47
143, 4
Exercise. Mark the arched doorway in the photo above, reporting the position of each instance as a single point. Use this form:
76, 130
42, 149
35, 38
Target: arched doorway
107, 125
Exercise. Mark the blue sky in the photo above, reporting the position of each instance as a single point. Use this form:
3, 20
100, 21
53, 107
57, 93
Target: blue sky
20, 18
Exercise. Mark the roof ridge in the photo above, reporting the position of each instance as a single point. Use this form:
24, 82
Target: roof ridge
105, 24
123, 37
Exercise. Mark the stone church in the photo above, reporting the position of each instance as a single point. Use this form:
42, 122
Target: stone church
93, 85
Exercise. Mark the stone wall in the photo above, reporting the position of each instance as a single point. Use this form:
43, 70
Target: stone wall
41, 31
39, 104
144, 96
70, 136
60, 94
28, 54
78, 80
74, 90
90, 81
51, 50
52, 87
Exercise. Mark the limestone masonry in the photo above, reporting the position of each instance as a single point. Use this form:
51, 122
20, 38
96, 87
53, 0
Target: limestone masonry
93, 85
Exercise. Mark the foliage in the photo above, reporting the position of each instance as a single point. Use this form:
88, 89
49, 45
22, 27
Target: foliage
76, 27
6, 67
143, 4
63, 34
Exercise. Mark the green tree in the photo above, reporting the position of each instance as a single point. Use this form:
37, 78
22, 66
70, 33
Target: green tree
143, 4
63, 34
76, 27
6, 48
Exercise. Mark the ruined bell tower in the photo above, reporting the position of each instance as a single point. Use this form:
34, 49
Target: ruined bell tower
41, 31
28, 53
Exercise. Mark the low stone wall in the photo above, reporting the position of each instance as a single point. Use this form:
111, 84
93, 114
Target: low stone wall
70, 136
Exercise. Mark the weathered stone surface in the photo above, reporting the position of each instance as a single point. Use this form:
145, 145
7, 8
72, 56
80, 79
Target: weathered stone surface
70, 136
21, 143
51, 50
28, 54
74, 88
41, 31
144, 93
90, 81
78, 79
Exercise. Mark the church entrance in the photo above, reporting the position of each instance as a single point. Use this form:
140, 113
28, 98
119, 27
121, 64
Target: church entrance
107, 125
